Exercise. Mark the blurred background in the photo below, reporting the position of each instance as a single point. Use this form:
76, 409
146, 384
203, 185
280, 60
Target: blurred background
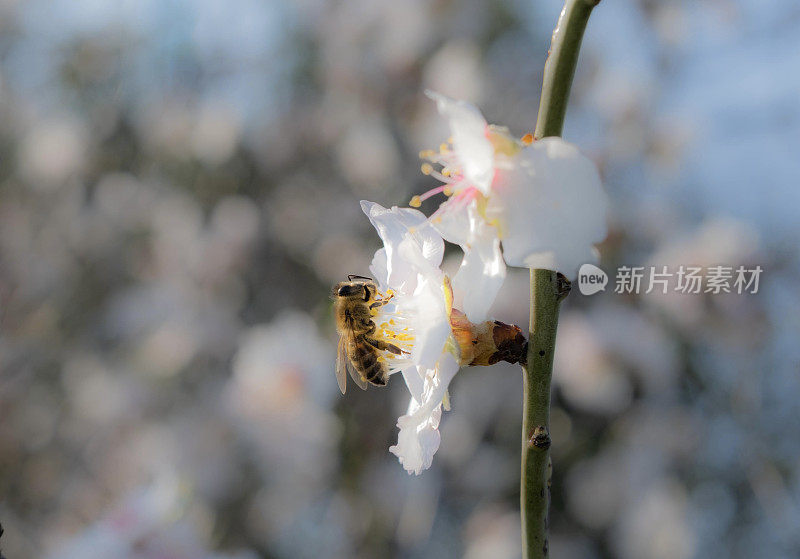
178, 191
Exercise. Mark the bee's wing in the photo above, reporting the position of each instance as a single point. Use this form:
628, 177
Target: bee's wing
341, 364
355, 375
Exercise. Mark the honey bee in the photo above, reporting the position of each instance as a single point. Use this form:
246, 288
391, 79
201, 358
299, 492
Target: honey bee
359, 350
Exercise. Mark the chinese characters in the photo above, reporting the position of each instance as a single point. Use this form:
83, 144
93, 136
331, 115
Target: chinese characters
687, 279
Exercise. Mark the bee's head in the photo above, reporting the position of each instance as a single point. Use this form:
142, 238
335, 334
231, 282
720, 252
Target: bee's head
358, 290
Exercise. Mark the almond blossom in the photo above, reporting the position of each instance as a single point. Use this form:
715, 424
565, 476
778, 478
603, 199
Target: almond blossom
542, 200
416, 319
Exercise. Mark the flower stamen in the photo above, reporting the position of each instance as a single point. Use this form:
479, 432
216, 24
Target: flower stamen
416, 201
393, 328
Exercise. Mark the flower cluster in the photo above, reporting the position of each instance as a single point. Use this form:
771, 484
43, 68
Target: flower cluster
525, 203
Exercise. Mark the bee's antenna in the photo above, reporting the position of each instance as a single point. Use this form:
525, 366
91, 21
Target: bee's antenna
351, 277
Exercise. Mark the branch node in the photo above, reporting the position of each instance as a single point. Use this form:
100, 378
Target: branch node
562, 287
540, 438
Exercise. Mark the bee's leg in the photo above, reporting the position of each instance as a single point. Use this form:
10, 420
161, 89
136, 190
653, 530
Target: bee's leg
382, 302
383, 346
370, 327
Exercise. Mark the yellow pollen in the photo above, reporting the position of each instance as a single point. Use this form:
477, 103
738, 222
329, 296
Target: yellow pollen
527, 139
447, 190
426, 154
415, 202
391, 322
446, 172
444, 148
426, 168
448, 294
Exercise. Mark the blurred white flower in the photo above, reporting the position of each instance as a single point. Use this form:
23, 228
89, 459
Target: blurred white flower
215, 133
417, 319
656, 524
367, 155
153, 522
588, 376
280, 396
492, 531
52, 151
456, 69
543, 201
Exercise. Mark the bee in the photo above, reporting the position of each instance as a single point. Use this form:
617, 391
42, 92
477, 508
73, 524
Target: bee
359, 354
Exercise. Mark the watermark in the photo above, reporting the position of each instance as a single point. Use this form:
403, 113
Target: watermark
690, 280
591, 279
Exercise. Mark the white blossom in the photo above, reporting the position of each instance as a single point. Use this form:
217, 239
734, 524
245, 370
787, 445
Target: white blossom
543, 202
417, 319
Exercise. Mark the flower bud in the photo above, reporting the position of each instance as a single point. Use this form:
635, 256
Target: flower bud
488, 342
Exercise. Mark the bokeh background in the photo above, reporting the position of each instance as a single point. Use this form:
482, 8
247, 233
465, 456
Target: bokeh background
178, 191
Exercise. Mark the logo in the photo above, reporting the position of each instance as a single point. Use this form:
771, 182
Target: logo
591, 279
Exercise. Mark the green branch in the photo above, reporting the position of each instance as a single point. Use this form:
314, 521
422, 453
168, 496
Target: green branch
560, 66
547, 290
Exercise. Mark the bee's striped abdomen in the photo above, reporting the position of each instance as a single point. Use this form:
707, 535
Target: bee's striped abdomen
369, 367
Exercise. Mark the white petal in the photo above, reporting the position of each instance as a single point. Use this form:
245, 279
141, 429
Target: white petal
452, 219
417, 441
470, 142
379, 269
398, 224
419, 437
482, 270
431, 323
415, 381
551, 208
480, 277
